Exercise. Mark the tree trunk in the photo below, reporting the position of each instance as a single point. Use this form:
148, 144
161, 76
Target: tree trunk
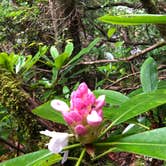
65, 18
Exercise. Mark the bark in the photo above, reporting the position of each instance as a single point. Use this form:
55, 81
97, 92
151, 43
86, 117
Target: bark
65, 17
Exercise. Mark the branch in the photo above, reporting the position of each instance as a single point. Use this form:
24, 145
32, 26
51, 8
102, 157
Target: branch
154, 46
127, 59
130, 5
11, 145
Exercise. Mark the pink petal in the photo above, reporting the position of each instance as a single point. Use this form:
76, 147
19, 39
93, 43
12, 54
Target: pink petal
100, 101
83, 88
72, 116
80, 129
94, 119
59, 105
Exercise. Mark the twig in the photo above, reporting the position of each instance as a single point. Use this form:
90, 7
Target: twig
130, 5
11, 145
127, 59
121, 79
154, 46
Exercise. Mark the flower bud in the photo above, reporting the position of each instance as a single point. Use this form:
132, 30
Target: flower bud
100, 101
80, 129
94, 119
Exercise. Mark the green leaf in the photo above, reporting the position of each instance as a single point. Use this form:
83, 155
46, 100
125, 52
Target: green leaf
47, 112
41, 157
137, 105
3, 59
31, 61
69, 49
84, 51
54, 75
149, 78
150, 143
59, 61
112, 97
20, 63
134, 19
54, 52
161, 85
110, 32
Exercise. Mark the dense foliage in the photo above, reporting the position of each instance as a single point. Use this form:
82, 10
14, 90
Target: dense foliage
49, 47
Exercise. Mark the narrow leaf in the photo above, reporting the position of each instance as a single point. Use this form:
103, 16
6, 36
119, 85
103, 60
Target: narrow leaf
149, 78
84, 51
150, 143
110, 32
137, 105
41, 157
134, 19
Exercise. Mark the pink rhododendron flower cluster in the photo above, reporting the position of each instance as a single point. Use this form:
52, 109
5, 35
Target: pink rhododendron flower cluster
84, 115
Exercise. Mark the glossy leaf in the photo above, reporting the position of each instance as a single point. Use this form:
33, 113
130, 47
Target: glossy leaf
149, 78
69, 49
59, 61
137, 105
47, 112
134, 19
54, 52
20, 63
150, 143
41, 157
110, 32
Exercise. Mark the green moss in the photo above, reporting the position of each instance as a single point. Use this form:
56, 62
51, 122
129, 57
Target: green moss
14, 98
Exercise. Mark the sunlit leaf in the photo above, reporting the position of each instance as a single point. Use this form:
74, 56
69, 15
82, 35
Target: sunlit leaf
41, 157
54, 52
69, 49
134, 19
110, 32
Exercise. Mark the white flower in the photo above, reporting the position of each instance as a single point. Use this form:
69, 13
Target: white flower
57, 142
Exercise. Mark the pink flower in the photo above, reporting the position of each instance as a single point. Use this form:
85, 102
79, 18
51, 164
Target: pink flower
84, 114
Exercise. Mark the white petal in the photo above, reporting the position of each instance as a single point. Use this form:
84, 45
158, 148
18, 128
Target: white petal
65, 156
94, 119
48, 133
53, 146
58, 140
59, 105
